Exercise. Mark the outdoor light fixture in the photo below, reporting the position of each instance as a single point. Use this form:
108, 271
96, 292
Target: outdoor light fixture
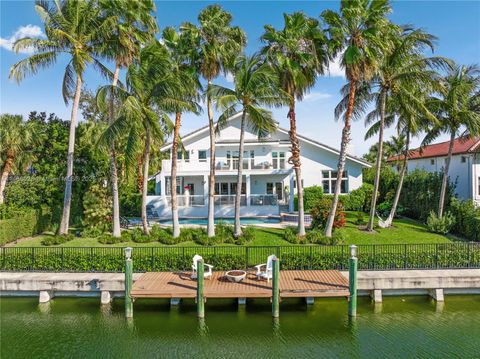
128, 252
353, 250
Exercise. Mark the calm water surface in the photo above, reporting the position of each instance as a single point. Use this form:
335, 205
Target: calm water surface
410, 327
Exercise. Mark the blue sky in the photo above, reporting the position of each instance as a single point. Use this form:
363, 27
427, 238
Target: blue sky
455, 23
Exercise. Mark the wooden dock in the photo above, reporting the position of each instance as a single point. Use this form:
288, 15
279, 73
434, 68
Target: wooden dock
305, 283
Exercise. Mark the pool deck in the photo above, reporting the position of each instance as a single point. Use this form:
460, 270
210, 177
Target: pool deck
303, 284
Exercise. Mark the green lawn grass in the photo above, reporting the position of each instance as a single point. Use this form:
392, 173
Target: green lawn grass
403, 231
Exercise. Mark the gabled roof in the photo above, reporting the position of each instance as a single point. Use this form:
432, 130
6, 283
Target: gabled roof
461, 145
303, 138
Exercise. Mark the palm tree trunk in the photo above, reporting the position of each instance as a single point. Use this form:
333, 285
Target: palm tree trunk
140, 173
146, 162
295, 161
211, 180
3, 180
67, 200
113, 167
342, 159
443, 190
237, 231
173, 176
376, 182
396, 199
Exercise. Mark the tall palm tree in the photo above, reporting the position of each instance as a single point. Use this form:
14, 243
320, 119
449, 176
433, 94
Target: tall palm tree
357, 33
401, 71
457, 109
256, 85
218, 45
134, 26
16, 137
144, 104
189, 86
299, 54
72, 28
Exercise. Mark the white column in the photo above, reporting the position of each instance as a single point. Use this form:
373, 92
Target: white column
247, 189
205, 189
163, 189
291, 195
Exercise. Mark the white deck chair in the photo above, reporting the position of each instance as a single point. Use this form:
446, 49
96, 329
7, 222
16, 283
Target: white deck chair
207, 274
268, 271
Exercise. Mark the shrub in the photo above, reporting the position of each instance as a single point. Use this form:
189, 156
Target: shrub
22, 222
130, 202
248, 235
384, 208
126, 236
56, 240
310, 196
467, 219
107, 238
321, 210
224, 231
138, 236
316, 236
164, 235
97, 209
440, 225
290, 234
359, 219
359, 199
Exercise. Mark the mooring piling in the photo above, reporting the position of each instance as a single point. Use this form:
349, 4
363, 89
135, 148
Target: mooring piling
352, 275
200, 285
275, 287
128, 282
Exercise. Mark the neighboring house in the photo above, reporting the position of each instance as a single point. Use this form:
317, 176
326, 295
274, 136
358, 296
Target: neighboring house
464, 167
268, 178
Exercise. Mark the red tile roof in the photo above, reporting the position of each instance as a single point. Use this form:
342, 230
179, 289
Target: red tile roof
461, 145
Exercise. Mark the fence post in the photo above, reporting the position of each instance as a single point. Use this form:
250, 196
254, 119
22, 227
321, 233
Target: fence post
311, 257
4, 258
200, 282
128, 283
404, 256
352, 274
246, 257
275, 288
63, 259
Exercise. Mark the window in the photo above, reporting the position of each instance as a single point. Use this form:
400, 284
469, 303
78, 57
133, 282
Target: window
229, 157
269, 188
183, 155
202, 156
432, 161
329, 180
463, 159
278, 160
168, 191
233, 188
252, 159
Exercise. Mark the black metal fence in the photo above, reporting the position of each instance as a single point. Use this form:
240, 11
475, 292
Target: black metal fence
170, 258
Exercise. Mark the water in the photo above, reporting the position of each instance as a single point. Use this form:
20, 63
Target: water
245, 220
410, 327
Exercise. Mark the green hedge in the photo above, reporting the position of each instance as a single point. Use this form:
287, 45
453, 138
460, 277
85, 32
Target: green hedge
371, 257
24, 223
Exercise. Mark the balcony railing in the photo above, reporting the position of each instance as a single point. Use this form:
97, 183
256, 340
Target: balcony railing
225, 200
188, 201
263, 200
248, 164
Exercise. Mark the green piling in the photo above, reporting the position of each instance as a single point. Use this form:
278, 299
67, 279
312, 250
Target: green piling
352, 275
128, 283
200, 285
275, 288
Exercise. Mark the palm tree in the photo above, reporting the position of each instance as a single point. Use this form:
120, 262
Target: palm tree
144, 103
356, 32
134, 25
218, 44
299, 54
457, 109
256, 85
186, 101
16, 137
401, 71
72, 28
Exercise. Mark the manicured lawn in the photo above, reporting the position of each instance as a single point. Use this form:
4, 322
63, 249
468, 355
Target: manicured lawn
403, 231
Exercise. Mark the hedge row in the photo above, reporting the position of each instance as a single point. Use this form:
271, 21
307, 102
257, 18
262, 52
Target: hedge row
373, 257
25, 223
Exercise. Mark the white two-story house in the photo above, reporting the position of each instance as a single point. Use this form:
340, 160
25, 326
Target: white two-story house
268, 179
464, 168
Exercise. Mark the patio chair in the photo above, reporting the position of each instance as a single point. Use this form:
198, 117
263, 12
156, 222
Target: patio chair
206, 274
268, 271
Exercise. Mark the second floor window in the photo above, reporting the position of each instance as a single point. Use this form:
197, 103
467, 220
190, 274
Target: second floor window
183, 155
329, 179
202, 156
278, 160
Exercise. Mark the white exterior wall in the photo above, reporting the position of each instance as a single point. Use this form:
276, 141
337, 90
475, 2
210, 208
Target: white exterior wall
465, 174
314, 158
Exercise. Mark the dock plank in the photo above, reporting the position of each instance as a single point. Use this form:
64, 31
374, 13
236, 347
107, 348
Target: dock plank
311, 283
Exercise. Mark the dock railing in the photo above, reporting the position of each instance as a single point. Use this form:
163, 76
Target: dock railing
294, 257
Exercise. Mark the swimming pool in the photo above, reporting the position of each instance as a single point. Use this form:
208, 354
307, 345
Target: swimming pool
204, 221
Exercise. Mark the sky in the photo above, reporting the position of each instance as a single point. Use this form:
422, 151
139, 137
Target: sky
455, 23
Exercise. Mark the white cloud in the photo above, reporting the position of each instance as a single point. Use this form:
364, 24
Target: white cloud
316, 96
229, 77
335, 69
22, 31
